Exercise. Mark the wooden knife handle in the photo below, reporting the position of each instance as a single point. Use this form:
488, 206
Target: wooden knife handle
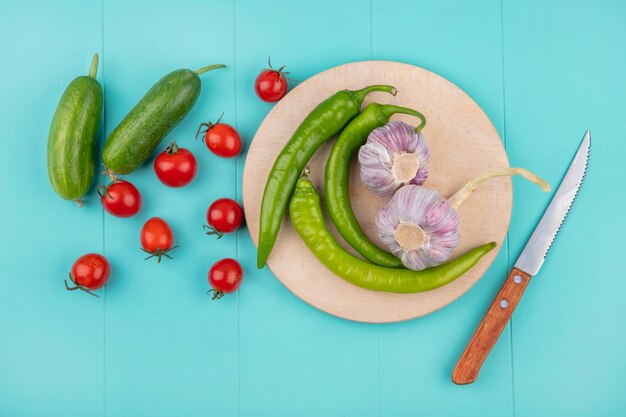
490, 328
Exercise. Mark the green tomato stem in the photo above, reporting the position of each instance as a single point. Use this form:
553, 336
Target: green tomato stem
172, 148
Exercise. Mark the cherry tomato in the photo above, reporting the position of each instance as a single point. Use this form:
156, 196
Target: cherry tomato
225, 277
175, 166
157, 238
121, 198
223, 216
271, 85
222, 139
89, 273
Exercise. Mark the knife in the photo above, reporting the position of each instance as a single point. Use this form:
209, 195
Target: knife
527, 266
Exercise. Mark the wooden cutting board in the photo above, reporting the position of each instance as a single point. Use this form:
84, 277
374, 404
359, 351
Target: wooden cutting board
463, 144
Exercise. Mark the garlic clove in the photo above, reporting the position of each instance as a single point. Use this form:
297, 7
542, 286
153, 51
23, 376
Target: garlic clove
394, 155
376, 164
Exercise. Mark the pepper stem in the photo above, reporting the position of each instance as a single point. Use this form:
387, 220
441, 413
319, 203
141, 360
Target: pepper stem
457, 199
389, 110
94, 66
359, 95
209, 68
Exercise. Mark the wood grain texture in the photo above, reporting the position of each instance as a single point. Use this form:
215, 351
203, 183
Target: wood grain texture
463, 145
490, 328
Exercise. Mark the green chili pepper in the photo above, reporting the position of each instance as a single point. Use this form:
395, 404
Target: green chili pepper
306, 216
337, 179
324, 122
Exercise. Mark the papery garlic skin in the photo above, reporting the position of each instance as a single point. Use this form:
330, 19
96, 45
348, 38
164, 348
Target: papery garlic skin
394, 155
427, 216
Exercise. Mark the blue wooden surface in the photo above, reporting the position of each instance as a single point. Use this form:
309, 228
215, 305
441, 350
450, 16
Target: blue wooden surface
155, 345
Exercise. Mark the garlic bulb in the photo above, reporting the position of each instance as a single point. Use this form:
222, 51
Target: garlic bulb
422, 228
419, 227
394, 155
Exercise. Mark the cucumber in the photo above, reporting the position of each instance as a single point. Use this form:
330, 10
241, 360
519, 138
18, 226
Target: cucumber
72, 138
158, 112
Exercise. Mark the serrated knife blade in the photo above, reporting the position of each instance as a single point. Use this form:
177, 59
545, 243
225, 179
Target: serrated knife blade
527, 265
537, 247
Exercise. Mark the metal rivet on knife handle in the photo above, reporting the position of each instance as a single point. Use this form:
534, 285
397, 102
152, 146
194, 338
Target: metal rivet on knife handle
517, 279
504, 303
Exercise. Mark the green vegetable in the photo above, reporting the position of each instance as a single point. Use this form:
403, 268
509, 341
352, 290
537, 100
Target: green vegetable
306, 216
158, 112
72, 138
337, 179
324, 122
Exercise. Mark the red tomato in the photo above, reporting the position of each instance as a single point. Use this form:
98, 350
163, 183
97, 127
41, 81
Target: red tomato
121, 198
271, 85
222, 139
157, 238
175, 166
89, 273
223, 216
225, 277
